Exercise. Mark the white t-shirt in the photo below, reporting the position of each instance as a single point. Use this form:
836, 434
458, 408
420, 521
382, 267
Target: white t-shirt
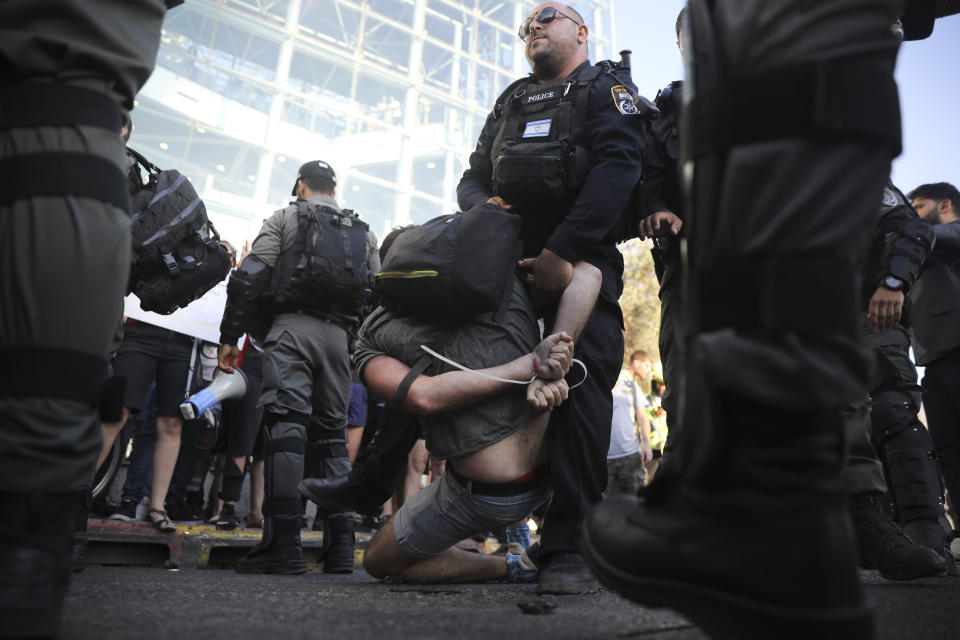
623, 431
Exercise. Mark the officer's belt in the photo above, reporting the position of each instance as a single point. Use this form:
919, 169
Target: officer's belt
60, 173
809, 294
850, 97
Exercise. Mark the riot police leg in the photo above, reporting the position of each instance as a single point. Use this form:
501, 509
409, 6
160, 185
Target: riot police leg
328, 450
56, 327
672, 353
911, 463
279, 550
774, 248
880, 542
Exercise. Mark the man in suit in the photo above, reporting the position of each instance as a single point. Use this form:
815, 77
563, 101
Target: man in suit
936, 325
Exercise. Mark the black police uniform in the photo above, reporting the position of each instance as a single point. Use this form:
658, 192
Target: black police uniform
793, 116
68, 68
936, 325
569, 181
903, 443
661, 186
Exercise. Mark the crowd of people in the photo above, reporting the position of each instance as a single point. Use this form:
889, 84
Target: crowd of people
669, 489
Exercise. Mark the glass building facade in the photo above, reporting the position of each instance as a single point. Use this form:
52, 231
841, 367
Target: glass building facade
392, 93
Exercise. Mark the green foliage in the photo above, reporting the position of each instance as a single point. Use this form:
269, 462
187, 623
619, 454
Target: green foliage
640, 301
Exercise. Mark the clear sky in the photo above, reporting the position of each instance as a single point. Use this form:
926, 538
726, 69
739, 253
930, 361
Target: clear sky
927, 72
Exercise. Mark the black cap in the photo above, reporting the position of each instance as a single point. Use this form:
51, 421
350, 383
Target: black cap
315, 169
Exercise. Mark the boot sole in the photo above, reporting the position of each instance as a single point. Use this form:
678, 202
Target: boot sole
726, 616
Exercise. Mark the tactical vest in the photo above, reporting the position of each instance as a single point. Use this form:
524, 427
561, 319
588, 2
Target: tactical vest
325, 270
536, 156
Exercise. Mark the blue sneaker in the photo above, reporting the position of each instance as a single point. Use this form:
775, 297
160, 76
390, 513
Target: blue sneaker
520, 568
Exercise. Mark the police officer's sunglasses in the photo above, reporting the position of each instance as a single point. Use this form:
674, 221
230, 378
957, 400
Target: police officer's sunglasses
544, 16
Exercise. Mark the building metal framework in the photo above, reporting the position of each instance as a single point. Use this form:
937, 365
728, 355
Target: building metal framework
392, 93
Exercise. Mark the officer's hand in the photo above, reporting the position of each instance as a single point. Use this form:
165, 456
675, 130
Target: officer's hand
553, 356
547, 394
551, 273
659, 224
227, 357
500, 202
885, 308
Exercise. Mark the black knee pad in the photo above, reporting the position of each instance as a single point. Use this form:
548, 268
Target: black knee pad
892, 412
284, 448
232, 481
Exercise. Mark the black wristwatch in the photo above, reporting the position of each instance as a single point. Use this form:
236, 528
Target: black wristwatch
893, 283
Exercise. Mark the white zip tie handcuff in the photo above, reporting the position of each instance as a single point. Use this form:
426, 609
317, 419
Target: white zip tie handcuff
490, 377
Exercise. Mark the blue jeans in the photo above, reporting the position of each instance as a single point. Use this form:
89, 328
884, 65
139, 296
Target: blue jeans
139, 480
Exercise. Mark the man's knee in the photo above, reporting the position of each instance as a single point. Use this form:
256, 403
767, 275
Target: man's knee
383, 556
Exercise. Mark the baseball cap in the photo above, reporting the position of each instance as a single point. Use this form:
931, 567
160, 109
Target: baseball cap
315, 169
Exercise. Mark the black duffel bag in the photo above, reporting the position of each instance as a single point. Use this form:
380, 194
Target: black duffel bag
453, 267
177, 255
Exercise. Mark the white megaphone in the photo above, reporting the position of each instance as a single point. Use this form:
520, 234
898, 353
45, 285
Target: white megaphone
224, 386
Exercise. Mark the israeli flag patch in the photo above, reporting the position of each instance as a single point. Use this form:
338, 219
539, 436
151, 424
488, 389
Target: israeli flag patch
538, 129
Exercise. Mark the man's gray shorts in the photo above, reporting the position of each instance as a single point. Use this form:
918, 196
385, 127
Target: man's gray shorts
445, 512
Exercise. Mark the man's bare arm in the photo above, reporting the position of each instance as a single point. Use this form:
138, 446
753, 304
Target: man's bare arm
456, 389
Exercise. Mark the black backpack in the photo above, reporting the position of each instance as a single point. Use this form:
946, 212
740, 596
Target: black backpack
453, 267
177, 255
331, 271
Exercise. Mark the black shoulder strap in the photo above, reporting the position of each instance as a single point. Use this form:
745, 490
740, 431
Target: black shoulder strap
395, 404
507, 96
143, 162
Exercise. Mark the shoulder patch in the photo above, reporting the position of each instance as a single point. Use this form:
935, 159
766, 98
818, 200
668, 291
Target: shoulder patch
889, 198
623, 101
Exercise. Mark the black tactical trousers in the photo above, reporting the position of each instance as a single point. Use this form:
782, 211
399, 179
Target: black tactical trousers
941, 401
579, 433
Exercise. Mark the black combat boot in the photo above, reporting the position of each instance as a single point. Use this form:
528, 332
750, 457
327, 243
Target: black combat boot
352, 492
279, 550
36, 536
339, 541
883, 546
712, 547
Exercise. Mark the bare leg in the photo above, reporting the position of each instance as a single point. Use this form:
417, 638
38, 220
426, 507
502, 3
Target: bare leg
110, 431
354, 436
164, 458
437, 469
416, 464
384, 557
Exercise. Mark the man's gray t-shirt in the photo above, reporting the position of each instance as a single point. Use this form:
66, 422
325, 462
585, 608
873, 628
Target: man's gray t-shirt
476, 344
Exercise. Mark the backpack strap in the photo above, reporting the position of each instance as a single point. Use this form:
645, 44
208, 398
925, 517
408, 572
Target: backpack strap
142, 161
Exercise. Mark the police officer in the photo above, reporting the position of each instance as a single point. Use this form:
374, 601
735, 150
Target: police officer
897, 251
562, 149
664, 223
793, 116
306, 364
69, 69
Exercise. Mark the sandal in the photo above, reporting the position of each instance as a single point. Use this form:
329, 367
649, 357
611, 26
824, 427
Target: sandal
253, 522
163, 524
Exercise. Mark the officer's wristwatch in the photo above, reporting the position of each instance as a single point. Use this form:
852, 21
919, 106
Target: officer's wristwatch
893, 283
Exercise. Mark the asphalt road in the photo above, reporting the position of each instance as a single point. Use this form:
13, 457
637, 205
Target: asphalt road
129, 602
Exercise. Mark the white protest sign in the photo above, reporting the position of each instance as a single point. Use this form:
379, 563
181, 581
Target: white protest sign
200, 319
